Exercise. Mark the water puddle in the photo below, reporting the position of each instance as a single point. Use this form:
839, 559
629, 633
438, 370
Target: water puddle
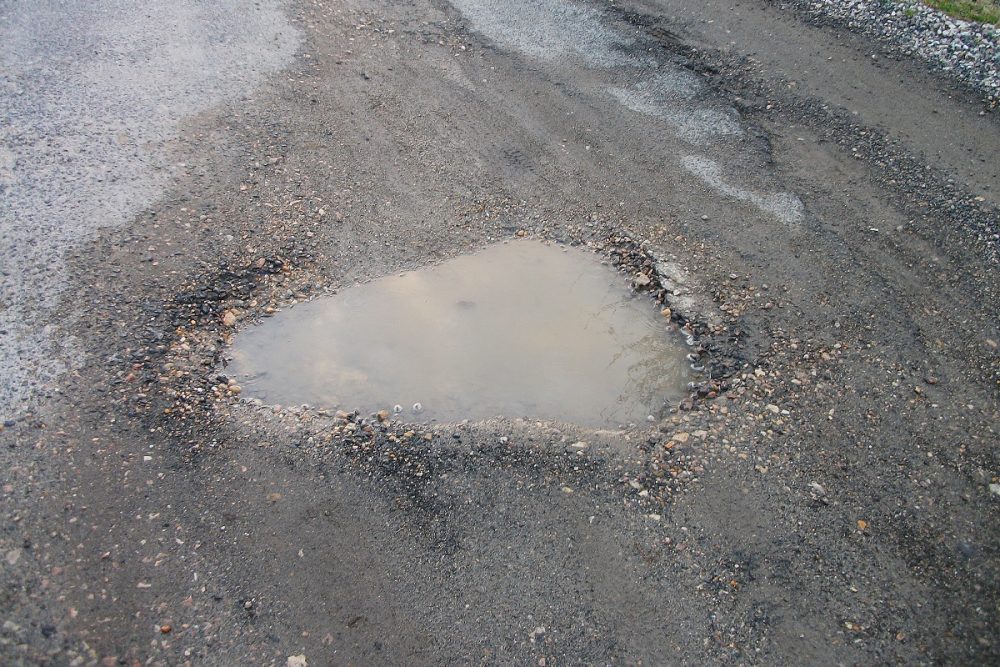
522, 329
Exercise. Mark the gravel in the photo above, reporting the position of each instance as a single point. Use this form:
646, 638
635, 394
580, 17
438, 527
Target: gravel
968, 51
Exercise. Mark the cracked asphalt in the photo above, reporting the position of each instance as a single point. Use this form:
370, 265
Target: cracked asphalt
819, 215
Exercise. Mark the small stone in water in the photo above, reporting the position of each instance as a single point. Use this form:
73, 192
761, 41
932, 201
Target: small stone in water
397, 408
417, 408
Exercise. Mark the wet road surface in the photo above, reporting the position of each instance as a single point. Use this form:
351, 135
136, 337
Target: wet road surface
822, 496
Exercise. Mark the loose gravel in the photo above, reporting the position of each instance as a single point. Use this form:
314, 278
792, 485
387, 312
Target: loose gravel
968, 51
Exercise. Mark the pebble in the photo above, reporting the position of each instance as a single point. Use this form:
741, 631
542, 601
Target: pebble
229, 319
961, 49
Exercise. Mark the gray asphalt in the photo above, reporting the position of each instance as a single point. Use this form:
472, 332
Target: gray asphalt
92, 95
820, 223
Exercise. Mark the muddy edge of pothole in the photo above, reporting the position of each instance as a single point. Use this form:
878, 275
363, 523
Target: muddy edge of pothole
190, 398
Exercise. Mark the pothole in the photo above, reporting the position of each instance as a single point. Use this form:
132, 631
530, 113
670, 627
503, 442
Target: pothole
520, 329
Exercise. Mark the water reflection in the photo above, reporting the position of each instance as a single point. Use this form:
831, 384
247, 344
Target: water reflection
518, 329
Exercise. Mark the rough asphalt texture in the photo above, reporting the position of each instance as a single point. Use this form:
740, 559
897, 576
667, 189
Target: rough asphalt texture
823, 224
965, 50
92, 96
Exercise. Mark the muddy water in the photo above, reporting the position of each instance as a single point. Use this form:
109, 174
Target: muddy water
521, 329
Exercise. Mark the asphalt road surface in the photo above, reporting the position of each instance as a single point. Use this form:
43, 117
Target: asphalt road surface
819, 215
